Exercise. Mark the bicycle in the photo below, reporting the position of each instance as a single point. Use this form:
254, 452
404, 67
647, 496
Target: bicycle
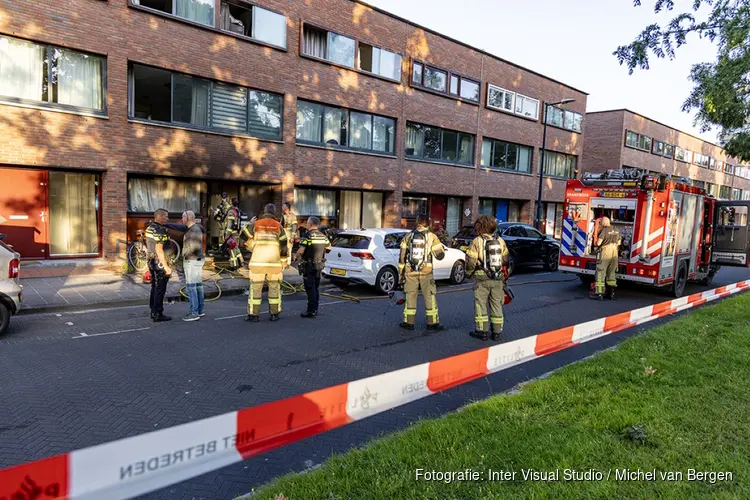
138, 253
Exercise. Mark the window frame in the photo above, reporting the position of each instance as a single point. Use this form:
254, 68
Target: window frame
524, 96
666, 146
490, 88
502, 169
639, 136
252, 6
543, 159
449, 75
347, 147
48, 105
175, 16
358, 61
198, 128
688, 160
565, 125
441, 161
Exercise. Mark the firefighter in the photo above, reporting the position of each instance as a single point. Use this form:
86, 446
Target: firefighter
311, 259
232, 234
608, 244
269, 251
418, 248
220, 215
289, 220
156, 238
487, 260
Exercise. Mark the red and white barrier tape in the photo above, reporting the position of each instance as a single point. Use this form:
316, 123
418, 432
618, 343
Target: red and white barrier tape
140, 464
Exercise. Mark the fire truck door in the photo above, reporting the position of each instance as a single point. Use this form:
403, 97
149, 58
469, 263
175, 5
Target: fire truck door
731, 246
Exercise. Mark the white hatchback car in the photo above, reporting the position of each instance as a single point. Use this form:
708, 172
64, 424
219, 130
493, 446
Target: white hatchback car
370, 256
11, 290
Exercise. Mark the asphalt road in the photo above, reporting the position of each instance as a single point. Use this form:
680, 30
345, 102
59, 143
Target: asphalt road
72, 380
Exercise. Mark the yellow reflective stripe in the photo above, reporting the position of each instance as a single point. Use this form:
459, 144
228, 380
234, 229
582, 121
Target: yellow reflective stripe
481, 318
497, 321
254, 302
274, 301
431, 312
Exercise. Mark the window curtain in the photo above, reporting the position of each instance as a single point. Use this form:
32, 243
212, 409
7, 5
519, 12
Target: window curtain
314, 43
372, 206
309, 121
79, 79
200, 11
414, 140
360, 133
351, 209
146, 195
316, 202
524, 159
382, 134
199, 110
231, 23
21, 69
265, 114
465, 148
74, 228
514, 211
453, 217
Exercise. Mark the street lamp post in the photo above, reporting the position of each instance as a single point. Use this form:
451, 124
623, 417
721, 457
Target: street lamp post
541, 166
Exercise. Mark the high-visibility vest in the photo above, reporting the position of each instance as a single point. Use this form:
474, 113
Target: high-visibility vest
267, 239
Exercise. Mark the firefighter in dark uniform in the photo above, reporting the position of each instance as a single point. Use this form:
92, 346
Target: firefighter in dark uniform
289, 221
156, 238
487, 260
311, 257
232, 235
608, 248
220, 216
418, 248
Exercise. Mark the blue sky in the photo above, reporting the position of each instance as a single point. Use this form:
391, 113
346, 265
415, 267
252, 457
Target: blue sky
572, 41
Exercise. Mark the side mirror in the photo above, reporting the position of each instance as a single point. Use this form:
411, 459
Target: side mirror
2, 236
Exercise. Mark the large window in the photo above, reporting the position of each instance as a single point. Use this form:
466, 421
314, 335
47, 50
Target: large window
199, 11
527, 106
412, 207
32, 73
683, 155
433, 143
323, 124
560, 165
728, 169
506, 155
253, 22
328, 45
164, 96
379, 61
318, 202
664, 149
499, 98
637, 141
73, 213
736, 194
444, 82
725, 192
146, 194
701, 160
564, 118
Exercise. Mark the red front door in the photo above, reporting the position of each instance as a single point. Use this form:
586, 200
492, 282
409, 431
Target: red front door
23, 205
437, 212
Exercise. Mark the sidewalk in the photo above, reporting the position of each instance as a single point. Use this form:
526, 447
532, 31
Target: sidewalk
104, 288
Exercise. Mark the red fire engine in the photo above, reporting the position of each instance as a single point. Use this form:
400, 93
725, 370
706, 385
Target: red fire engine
671, 231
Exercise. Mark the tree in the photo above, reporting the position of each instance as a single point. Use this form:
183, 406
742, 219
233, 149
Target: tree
721, 95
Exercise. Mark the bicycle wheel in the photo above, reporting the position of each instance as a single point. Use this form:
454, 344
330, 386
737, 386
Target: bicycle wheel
137, 257
172, 253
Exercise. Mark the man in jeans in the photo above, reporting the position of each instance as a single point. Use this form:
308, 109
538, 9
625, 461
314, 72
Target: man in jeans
192, 263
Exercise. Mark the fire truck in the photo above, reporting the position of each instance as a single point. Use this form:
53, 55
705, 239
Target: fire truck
672, 232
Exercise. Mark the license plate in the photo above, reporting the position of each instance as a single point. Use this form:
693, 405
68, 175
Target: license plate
338, 272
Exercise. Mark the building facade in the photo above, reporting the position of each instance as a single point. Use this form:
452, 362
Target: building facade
110, 109
624, 139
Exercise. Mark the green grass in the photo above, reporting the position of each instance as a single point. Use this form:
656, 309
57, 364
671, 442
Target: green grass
673, 399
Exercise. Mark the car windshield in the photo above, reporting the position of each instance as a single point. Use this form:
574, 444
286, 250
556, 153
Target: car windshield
356, 241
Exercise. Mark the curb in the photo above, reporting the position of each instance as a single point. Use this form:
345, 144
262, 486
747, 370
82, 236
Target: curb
140, 464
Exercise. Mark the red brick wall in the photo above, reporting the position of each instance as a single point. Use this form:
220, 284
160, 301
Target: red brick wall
117, 146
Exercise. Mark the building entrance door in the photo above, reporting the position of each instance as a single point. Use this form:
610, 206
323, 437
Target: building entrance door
23, 205
437, 212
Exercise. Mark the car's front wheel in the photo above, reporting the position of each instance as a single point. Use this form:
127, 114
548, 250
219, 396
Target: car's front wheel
458, 273
553, 259
386, 280
511, 265
4, 318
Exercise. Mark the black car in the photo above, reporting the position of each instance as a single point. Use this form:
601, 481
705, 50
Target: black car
527, 246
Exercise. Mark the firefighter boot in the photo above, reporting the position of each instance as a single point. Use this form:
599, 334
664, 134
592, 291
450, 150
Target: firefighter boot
595, 296
251, 318
479, 335
610, 292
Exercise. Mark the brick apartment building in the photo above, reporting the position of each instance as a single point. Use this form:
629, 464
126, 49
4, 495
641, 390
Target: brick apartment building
621, 138
110, 109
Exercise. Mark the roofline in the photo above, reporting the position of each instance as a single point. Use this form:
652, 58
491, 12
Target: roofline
464, 44
620, 110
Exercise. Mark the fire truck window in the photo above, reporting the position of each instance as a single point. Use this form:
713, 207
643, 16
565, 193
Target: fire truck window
733, 216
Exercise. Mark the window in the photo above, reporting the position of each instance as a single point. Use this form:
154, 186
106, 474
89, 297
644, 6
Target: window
560, 165
199, 11
379, 61
501, 99
564, 118
148, 194
683, 155
163, 96
51, 76
701, 160
73, 213
441, 81
736, 194
340, 49
725, 192
323, 124
711, 189
637, 141
699, 184
253, 22
527, 106
506, 155
728, 169
328, 45
662, 149
318, 202
412, 207
433, 143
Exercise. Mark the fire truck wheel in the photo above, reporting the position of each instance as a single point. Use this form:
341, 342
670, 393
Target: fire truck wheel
680, 280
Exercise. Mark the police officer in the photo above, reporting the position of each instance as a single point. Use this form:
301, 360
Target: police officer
269, 250
487, 260
156, 237
418, 248
289, 220
231, 235
311, 256
220, 216
608, 243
